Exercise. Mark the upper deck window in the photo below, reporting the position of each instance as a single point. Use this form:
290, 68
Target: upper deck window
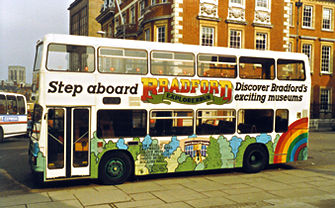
217, 66
291, 69
70, 58
172, 63
257, 68
123, 61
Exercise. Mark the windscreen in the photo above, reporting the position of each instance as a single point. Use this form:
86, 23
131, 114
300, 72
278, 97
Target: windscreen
38, 57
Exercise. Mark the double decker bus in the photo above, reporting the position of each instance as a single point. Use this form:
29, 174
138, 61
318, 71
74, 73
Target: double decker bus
108, 109
13, 115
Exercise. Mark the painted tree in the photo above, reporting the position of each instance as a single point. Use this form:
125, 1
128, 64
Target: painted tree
186, 163
140, 168
160, 165
172, 162
245, 143
227, 156
135, 150
153, 156
213, 158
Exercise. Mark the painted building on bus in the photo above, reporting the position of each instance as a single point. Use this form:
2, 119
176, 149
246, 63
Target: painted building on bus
283, 25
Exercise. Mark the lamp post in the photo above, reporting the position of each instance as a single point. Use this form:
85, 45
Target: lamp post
298, 4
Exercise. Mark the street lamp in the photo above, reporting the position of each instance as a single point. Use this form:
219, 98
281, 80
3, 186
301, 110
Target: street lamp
298, 4
102, 33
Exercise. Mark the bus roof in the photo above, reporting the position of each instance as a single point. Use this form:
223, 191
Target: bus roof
176, 47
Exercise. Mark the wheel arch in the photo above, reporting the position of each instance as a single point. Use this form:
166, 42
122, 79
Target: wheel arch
118, 151
255, 146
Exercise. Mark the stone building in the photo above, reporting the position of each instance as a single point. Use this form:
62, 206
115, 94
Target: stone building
82, 17
17, 74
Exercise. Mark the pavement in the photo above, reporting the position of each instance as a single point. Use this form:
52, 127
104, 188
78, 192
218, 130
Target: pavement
274, 187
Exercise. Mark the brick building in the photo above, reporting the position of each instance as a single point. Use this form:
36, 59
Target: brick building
312, 32
282, 25
228, 23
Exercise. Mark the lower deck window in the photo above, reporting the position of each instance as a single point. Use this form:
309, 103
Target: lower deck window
171, 122
255, 121
216, 122
281, 120
121, 123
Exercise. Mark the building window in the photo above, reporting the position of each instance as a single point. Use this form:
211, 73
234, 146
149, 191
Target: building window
132, 15
235, 39
327, 19
289, 49
161, 34
207, 36
325, 59
239, 2
147, 35
142, 6
79, 24
261, 41
262, 3
307, 16
291, 15
325, 99
307, 49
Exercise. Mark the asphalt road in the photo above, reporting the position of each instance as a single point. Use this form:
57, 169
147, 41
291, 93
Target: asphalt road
16, 178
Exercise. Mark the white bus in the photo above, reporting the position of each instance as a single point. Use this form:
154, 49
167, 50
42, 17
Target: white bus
108, 109
13, 115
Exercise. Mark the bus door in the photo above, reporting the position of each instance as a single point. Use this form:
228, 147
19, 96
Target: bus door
68, 142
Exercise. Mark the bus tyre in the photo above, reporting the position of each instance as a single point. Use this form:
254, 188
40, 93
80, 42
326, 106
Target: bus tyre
255, 159
115, 168
1, 135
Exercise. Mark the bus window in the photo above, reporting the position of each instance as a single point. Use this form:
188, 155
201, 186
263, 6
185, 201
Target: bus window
290, 69
171, 122
123, 61
56, 138
21, 105
122, 123
256, 68
11, 104
281, 120
215, 122
172, 63
70, 58
255, 121
3, 104
216, 66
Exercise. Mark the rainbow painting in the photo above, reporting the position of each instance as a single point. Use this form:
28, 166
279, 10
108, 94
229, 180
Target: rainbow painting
292, 144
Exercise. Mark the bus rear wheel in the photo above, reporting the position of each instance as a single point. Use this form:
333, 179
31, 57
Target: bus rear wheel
255, 159
115, 168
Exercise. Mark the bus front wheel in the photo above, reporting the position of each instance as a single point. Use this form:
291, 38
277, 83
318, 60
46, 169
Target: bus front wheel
255, 159
115, 168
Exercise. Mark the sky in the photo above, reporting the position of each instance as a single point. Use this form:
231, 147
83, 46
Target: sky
22, 23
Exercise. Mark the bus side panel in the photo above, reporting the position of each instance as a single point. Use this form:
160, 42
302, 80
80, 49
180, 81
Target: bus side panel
184, 153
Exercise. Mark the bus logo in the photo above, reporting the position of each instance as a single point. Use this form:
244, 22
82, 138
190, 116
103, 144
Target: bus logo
162, 90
